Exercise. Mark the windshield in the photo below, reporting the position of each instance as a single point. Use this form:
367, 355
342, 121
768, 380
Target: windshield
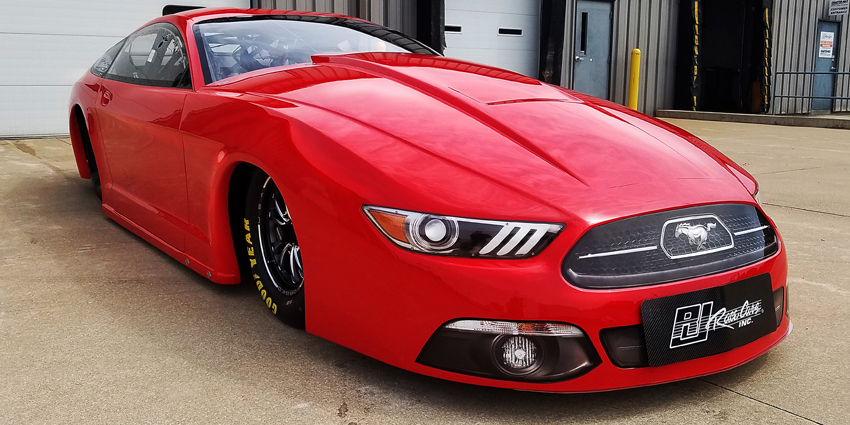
234, 46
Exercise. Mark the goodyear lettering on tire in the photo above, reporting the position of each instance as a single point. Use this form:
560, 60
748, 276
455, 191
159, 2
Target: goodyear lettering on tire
253, 261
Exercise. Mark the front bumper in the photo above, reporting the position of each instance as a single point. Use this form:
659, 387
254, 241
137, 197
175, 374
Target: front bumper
607, 377
390, 311
604, 374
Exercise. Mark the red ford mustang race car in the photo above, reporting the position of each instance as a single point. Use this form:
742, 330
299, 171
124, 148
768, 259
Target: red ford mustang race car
452, 219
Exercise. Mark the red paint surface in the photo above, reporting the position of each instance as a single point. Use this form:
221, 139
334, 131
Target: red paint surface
418, 133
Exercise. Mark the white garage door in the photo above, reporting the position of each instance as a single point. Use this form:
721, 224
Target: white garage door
502, 33
46, 46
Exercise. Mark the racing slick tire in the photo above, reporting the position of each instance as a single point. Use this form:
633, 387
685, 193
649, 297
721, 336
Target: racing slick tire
273, 253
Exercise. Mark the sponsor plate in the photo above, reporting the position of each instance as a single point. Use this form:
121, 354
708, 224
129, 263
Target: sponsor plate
707, 322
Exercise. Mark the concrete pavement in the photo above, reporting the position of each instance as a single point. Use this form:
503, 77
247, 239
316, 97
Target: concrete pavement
97, 326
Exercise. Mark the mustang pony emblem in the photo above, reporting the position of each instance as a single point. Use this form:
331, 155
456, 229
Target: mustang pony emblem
697, 235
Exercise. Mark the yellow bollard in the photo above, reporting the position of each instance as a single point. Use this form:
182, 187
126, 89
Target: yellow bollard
634, 79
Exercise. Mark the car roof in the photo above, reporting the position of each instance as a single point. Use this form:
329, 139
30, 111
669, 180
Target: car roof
226, 12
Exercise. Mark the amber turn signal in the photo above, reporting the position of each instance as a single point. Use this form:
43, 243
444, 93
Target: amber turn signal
391, 223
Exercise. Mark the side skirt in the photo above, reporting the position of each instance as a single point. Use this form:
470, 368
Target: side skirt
192, 263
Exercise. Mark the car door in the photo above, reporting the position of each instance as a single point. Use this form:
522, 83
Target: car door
140, 109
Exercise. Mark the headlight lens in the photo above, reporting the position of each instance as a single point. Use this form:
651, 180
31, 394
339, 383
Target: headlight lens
462, 237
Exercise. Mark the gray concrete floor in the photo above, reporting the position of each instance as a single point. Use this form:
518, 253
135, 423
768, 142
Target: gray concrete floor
97, 326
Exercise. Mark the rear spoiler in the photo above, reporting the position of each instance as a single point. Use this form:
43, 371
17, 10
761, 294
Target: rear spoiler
176, 8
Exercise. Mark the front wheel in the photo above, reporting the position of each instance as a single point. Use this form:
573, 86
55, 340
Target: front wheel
273, 251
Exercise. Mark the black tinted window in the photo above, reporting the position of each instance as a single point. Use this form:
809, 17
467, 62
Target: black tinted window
153, 56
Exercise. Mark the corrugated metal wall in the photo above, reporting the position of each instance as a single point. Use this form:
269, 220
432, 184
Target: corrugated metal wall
795, 41
343, 7
397, 14
648, 25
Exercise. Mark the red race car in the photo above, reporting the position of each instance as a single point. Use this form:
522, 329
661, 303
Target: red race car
452, 219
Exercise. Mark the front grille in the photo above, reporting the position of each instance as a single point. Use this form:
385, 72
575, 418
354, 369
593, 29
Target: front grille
670, 245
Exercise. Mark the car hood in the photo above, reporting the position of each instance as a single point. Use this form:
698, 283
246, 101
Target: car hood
479, 139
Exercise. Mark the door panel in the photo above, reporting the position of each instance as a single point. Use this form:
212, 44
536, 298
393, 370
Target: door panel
143, 144
825, 61
140, 109
592, 48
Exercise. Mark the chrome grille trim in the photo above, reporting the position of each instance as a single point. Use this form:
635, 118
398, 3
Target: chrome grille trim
620, 252
744, 232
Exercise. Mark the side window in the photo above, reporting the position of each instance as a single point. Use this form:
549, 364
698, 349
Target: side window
153, 56
104, 62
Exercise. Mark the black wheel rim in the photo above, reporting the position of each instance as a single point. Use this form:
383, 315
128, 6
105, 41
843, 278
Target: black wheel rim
279, 247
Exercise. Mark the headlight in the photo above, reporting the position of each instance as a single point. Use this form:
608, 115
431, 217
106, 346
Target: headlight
462, 237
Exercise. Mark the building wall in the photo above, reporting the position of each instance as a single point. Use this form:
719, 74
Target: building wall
795, 42
397, 14
648, 25
343, 7
48, 45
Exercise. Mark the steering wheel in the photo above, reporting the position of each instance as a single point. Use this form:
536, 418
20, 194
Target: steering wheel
245, 54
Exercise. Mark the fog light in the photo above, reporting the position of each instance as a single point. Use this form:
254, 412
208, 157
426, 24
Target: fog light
518, 355
515, 351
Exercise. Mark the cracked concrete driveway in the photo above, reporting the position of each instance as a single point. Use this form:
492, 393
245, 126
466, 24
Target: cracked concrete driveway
97, 326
